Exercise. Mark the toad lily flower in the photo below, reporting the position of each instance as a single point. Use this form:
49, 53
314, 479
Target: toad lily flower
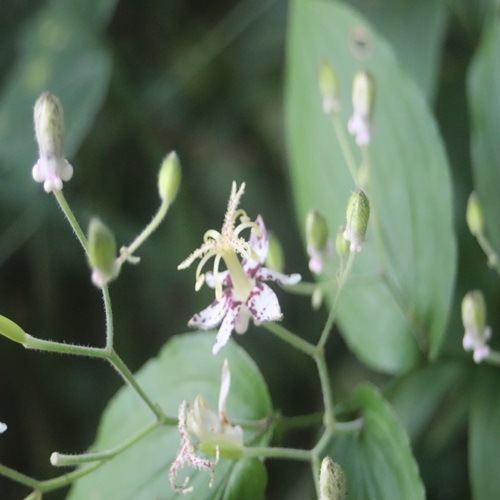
240, 291
477, 332
210, 430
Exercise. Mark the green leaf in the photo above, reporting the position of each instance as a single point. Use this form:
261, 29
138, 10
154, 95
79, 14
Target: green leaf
184, 368
248, 481
484, 440
60, 52
484, 98
377, 461
418, 55
399, 310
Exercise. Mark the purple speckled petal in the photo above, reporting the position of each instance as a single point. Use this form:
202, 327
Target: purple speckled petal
227, 327
263, 304
265, 274
213, 314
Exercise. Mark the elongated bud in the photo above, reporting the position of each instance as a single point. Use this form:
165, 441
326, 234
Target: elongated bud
51, 168
102, 253
12, 330
319, 247
477, 332
363, 93
331, 481
474, 311
357, 214
275, 259
328, 87
169, 178
474, 215
363, 101
316, 231
341, 244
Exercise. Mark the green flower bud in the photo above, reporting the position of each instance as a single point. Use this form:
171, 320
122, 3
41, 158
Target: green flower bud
328, 87
169, 178
275, 259
49, 126
358, 213
341, 244
12, 330
102, 253
477, 332
363, 101
363, 94
316, 231
51, 168
474, 311
331, 481
474, 215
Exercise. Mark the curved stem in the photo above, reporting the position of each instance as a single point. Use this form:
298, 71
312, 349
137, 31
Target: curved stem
128, 252
344, 146
62, 460
270, 452
72, 220
290, 338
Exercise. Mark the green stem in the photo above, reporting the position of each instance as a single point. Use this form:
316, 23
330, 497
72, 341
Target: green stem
128, 252
108, 312
66, 479
493, 358
72, 220
324, 377
344, 146
18, 477
489, 252
291, 338
62, 460
333, 310
129, 378
271, 452
76, 350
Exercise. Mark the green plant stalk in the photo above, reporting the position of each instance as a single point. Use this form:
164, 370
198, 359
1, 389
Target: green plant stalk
128, 252
102, 353
61, 200
488, 251
344, 146
291, 338
333, 310
493, 358
62, 460
283, 453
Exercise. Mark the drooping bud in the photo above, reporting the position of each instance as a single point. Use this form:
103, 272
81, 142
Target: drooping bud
331, 481
357, 214
12, 330
328, 87
318, 244
169, 178
363, 101
477, 333
51, 168
275, 259
474, 215
102, 253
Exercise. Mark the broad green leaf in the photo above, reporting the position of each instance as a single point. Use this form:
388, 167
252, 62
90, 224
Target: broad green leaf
417, 396
60, 52
248, 481
399, 311
484, 98
377, 461
402, 24
484, 440
183, 369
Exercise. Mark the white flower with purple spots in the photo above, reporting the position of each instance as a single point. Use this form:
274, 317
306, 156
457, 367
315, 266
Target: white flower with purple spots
203, 426
240, 291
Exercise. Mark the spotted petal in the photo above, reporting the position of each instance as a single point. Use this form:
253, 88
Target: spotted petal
263, 304
213, 314
266, 274
227, 327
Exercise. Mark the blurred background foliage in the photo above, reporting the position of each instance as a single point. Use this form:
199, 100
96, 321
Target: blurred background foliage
138, 79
